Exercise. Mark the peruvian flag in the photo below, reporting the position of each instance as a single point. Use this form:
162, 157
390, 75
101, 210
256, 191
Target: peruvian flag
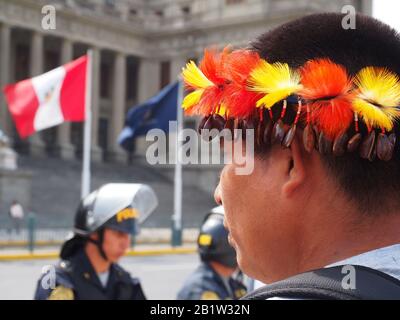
49, 99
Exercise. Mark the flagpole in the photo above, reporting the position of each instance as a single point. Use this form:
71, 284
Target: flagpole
177, 217
85, 187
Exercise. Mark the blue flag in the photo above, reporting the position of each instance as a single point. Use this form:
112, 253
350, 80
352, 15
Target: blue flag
155, 113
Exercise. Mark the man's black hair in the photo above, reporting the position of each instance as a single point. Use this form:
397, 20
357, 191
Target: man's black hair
373, 186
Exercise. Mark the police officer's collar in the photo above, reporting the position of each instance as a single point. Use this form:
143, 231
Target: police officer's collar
84, 267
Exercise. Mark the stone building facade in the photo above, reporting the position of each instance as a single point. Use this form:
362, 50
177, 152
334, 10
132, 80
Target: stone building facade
139, 46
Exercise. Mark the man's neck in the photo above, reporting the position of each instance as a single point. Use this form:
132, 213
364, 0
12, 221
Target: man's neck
99, 264
346, 239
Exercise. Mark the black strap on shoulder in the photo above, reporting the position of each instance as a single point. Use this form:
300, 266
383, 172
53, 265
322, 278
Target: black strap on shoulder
330, 283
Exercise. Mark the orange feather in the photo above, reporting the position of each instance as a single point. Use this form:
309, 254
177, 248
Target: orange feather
329, 85
322, 79
238, 65
212, 66
333, 117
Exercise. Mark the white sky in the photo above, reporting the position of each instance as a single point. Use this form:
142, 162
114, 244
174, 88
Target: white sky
387, 11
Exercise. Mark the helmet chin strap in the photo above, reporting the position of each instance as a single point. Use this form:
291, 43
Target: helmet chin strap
99, 243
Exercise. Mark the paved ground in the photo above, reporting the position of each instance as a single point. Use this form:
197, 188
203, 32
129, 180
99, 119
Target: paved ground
161, 276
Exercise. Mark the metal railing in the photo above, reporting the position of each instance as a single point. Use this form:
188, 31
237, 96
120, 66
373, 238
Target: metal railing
33, 234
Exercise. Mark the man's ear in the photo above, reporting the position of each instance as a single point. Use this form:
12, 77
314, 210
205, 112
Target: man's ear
296, 173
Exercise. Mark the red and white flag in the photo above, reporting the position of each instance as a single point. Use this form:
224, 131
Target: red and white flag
49, 99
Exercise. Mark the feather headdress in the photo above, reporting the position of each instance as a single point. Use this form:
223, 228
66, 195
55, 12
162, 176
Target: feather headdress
237, 86
378, 97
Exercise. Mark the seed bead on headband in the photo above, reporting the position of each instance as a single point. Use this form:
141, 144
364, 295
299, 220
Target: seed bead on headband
238, 89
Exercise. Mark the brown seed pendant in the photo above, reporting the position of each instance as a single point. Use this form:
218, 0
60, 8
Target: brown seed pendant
230, 124
309, 138
218, 122
324, 144
267, 134
316, 133
384, 148
259, 133
340, 143
392, 139
278, 132
202, 123
208, 133
287, 141
208, 125
354, 142
367, 146
248, 124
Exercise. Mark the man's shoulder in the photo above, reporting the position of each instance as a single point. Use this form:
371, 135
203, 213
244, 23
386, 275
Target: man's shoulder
332, 284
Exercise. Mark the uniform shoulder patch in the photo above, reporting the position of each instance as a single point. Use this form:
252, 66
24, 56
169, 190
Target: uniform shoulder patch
61, 293
209, 295
239, 293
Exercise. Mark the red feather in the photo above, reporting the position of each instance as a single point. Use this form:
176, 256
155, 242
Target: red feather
239, 102
238, 65
333, 117
322, 78
212, 65
329, 84
210, 100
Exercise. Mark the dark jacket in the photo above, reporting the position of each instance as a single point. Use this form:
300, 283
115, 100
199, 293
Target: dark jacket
205, 284
76, 279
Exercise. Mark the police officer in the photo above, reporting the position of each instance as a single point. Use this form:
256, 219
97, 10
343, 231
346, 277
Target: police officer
218, 276
103, 226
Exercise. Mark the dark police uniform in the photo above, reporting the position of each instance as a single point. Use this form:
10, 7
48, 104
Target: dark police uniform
113, 206
76, 279
205, 284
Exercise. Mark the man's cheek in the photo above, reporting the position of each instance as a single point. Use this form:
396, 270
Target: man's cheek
229, 175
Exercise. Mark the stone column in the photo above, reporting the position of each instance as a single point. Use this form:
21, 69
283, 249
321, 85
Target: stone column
96, 150
149, 79
177, 63
37, 146
5, 48
149, 85
118, 108
67, 150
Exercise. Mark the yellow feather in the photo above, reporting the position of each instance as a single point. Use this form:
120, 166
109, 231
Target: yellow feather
193, 76
375, 116
270, 99
192, 99
378, 97
222, 110
276, 80
378, 85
